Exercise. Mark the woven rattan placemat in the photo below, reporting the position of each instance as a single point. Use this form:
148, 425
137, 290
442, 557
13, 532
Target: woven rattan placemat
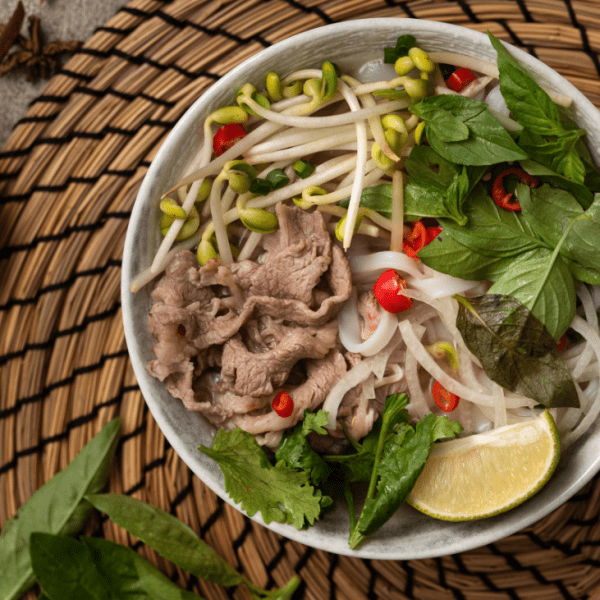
69, 175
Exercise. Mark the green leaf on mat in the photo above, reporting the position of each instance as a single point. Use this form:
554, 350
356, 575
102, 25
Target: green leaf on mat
57, 507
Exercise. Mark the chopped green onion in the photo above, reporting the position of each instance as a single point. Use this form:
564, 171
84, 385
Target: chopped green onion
303, 169
260, 187
277, 179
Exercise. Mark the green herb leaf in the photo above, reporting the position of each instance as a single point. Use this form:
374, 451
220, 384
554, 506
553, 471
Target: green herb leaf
515, 349
447, 255
359, 464
402, 461
581, 191
278, 492
65, 569
488, 142
542, 282
296, 452
493, 231
437, 188
98, 569
57, 507
527, 101
533, 108
171, 538
548, 210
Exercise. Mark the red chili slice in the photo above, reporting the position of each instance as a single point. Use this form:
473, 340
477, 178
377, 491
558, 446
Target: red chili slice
460, 79
227, 136
446, 400
415, 239
432, 233
562, 342
387, 290
283, 404
505, 199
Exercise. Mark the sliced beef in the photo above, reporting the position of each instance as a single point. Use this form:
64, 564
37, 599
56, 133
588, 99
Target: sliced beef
229, 336
256, 374
322, 374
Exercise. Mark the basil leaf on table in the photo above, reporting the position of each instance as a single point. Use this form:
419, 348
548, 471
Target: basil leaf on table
56, 507
515, 349
98, 569
488, 143
166, 534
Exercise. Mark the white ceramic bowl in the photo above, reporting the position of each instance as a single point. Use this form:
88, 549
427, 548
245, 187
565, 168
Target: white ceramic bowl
409, 534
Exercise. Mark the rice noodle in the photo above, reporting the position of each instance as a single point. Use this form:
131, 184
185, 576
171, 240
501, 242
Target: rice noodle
450, 383
373, 365
372, 265
349, 327
593, 339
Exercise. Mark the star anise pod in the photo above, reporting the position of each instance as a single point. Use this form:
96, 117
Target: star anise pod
41, 60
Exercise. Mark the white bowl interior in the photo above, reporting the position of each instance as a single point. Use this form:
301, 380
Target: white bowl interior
409, 534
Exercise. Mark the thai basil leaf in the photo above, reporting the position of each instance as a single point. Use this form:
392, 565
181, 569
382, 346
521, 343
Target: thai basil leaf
569, 163
427, 167
401, 463
166, 534
57, 507
98, 569
533, 108
543, 283
360, 463
491, 230
583, 243
437, 188
515, 349
65, 569
585, 274
129, 574
582, 192
575, 232
447, 255
443, 125
488, 142
548, 210
529, 104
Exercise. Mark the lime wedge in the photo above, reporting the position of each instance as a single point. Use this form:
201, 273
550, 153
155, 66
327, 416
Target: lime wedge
489, 473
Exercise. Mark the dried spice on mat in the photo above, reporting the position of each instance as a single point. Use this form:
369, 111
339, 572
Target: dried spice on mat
10, 31
41, 60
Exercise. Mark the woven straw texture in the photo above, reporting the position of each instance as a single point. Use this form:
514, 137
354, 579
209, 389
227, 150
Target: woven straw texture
69, 175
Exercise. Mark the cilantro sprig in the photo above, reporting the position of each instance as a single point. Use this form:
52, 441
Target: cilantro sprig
278, 492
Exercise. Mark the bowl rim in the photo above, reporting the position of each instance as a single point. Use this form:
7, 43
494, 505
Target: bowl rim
499, 527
